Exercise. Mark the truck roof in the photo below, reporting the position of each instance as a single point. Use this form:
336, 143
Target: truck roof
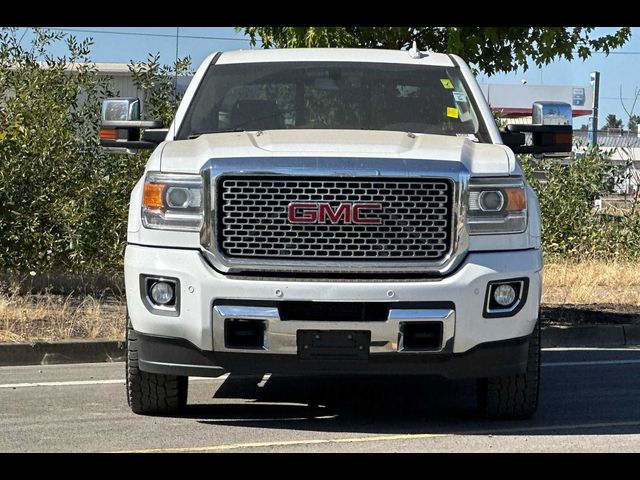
331, 55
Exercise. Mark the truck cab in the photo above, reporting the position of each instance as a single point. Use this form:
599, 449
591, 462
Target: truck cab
332, 211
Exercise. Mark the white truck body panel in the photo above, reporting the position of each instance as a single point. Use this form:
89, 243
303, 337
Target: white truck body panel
480, 159
465, 288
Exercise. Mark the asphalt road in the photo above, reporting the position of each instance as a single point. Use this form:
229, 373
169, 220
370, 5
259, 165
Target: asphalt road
590, 401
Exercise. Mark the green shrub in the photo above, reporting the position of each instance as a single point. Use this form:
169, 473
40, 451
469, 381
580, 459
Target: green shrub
63, 202
161, 97
571, 227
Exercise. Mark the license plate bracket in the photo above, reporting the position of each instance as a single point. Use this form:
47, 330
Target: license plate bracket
352, 345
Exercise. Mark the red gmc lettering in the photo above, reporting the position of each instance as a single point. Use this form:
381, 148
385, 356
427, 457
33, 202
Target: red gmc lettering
325, 213
334, 217
373, 207
303, 212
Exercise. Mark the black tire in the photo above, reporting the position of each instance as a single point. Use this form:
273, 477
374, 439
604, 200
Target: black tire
512, 397
150, 393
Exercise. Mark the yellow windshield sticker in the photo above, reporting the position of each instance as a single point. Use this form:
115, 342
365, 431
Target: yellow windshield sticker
452, 112
446, 83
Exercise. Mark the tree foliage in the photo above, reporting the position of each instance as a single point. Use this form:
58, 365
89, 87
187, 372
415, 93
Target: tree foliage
489, 49
64, 202
52, 172
571, 227
613, 122
634, 121
157, 82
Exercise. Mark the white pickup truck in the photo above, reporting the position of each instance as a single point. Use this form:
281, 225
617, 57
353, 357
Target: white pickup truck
333, 211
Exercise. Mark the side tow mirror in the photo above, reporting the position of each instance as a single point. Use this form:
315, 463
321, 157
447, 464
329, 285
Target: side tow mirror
550, 132
122, 131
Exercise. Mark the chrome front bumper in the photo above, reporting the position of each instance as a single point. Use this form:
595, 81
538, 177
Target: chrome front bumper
280, 337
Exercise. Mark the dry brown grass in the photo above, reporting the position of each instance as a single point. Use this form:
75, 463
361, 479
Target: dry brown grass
593, 282
57, 317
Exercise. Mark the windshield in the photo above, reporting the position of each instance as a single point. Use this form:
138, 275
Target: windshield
332, 95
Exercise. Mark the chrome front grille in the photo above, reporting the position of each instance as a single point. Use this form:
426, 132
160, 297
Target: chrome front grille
413, 222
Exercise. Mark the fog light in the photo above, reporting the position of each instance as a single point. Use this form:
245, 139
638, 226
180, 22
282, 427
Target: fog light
162, 293
505, 298
504, 295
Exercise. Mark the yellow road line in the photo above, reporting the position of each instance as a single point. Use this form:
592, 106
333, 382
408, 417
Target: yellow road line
382, 438
287, 443
61, 384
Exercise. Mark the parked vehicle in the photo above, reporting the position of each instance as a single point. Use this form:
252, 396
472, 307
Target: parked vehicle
339, 211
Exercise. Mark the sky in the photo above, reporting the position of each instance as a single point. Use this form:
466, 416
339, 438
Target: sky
123, 44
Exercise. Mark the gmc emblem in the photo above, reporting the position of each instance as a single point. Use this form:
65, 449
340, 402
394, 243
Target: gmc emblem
325, 213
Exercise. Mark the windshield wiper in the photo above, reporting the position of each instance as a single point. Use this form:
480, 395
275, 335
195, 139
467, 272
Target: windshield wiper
196, 135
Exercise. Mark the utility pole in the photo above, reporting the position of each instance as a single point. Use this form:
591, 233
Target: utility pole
592, 137
175, 77
175, 80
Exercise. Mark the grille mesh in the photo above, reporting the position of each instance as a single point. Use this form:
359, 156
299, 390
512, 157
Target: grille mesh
415, 219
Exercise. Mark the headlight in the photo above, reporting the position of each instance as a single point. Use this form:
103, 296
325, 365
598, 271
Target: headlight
497, 205
172, 202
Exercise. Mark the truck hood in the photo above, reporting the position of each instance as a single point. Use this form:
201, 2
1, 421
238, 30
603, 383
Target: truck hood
188, 156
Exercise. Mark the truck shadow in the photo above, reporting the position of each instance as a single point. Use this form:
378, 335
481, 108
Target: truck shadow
575, 398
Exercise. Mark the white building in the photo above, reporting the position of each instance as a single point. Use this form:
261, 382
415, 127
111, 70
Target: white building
515, 101
121, 80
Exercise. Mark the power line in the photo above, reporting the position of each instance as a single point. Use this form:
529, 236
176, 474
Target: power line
612, 53
23, 34
140, 34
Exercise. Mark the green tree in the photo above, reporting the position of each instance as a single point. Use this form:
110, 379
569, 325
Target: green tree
51, 167
634, 121
571, 228
63, 201
489, 49
612, 121
157, 81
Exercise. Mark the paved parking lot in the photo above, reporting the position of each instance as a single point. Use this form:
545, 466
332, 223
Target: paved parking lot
590, 401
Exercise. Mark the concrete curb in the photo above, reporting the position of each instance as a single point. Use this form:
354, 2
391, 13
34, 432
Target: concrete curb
591, 336
575, 315
588, 326
68, 351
